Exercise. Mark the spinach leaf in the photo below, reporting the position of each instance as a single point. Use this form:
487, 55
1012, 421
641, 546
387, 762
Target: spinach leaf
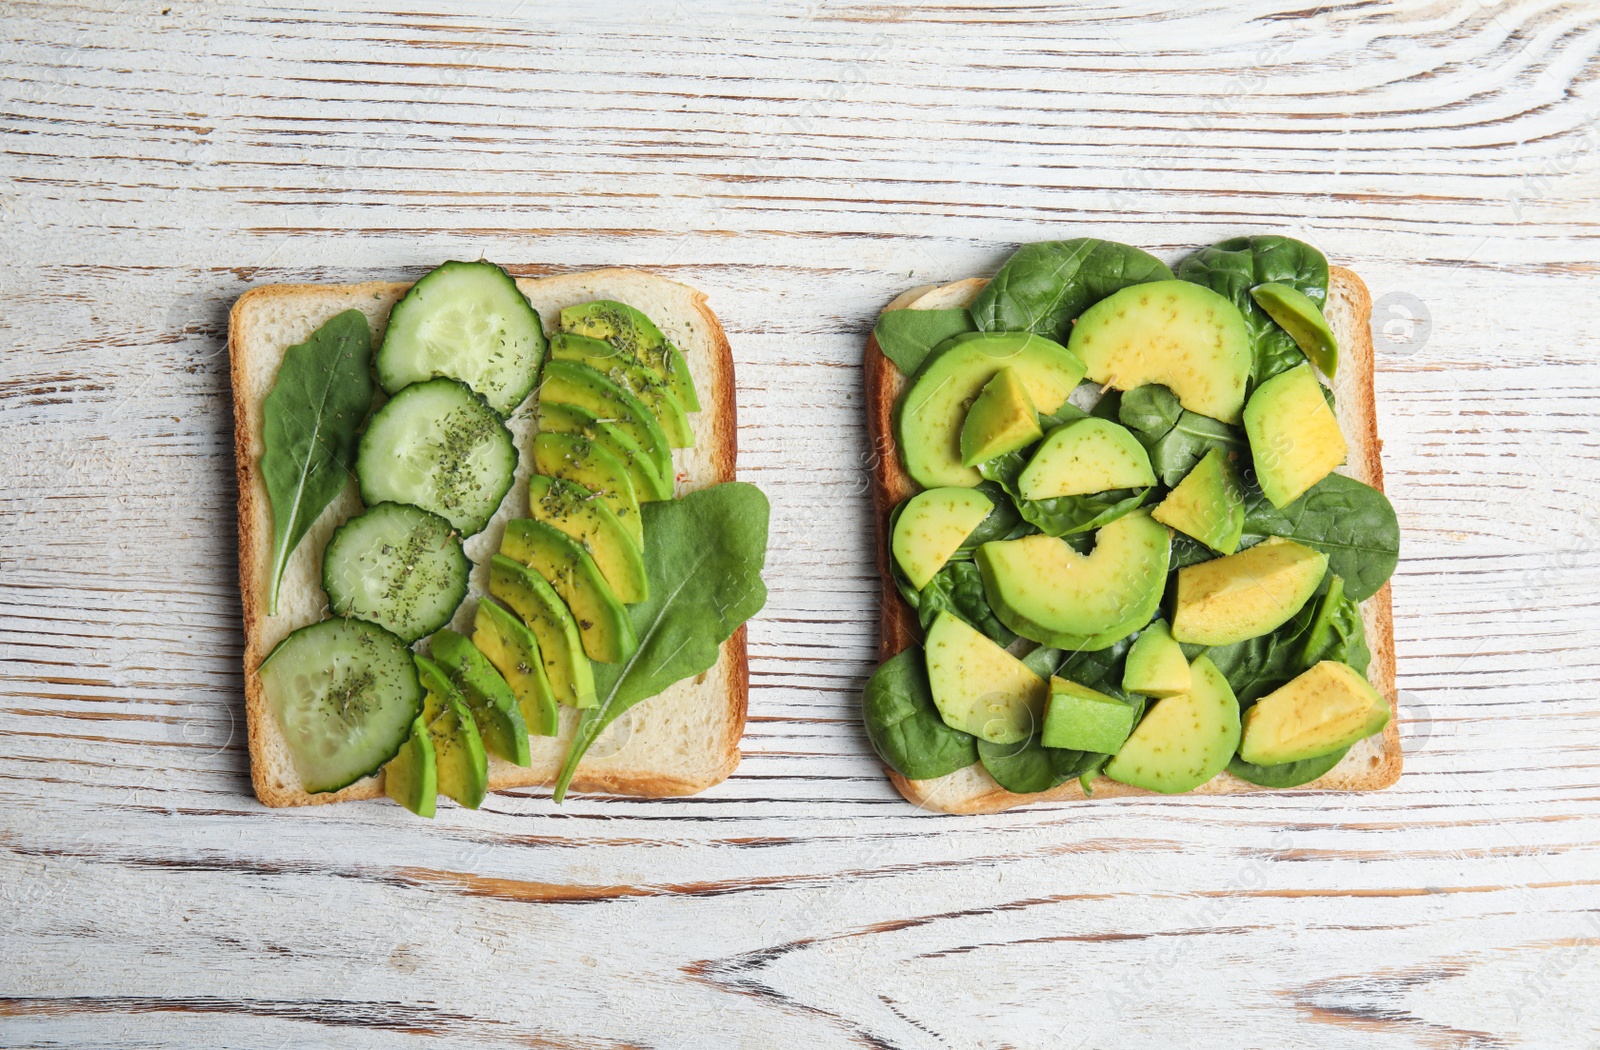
1186, 550
1063, 515
1043, 287
703, 553
1001, 522
1336, 631
1043, 661
1175, 438
1287, 774
904, 725
1100, 669
1030, 766
1234, 266
906, 336
958, 587
1353, 524
318, 401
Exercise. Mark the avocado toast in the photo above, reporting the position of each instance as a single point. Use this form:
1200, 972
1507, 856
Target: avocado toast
943, 771
528, 556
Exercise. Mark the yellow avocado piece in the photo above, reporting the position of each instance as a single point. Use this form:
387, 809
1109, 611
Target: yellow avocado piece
1184, 740
932, 527
1084, 456
1227, 600
1002, 420
1208, 504
1294, 435
978, 687
1325, 709
1156, 665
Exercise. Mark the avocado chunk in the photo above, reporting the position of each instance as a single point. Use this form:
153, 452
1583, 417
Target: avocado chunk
1002, 420
1208, 504
514, 651
1184, 336
603, 623
1325, 709
1156, 665
560, 648
635, 336
978, 687
582, 462
460, 764
1084, 456
1043, 589
493, 705
575, 384
1296, 313
930, 415
1083, 719
412, 778
591, 524
641, 382
648, 484
1244, 595
1184, 740
1294, 435
932, 526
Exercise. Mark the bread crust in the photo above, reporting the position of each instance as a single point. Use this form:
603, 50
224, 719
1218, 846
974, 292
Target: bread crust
712, 461
1372, 764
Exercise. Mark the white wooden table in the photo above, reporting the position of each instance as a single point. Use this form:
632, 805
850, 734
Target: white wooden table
802, 164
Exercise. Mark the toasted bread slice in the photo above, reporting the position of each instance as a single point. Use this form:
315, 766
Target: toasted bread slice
680, 742
1371, 764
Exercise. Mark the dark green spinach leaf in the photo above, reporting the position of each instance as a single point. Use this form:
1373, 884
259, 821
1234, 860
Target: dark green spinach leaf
958, 588
1235, 266
1029, 766
703, 553
318, 402
1287, 774
1175, 438
1353, 524
1043, 287
906, 336
904, 725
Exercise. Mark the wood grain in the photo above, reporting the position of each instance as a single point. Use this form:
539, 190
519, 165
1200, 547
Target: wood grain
802, 164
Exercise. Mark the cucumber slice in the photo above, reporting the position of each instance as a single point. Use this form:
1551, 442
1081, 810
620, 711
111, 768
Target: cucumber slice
648, 484
636, 336
466, 321
494, 707
633, 377
582, 461
412, 778
462, 765
581, 385
560, 647
437, 446
514, 651
345, 694
399, 566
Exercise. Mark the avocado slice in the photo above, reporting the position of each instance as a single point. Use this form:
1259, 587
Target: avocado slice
931, 412
1084, 456
581, 461
580, 385
1184, 336
560, 648
514, 651
978, 687
1244, 595
1296, 313
493, 705
1001, 420
1083, 719
932, 526
603, 623
1043, 589
1208, 504
1156, 665
648, 483
1325, 709
641, 382
462, 767
635, 336
1184, 740
412, 778
1294, 436
586, 518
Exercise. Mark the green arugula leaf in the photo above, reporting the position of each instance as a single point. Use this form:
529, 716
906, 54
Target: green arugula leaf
906, 336
318, 401
1044, 286
704, 554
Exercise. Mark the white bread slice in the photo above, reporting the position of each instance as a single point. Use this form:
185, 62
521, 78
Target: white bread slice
680, 742
1371, 764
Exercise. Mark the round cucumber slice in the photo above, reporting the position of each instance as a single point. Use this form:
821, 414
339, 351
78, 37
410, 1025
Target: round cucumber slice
437, 446
399, 566
345, 694
466, 321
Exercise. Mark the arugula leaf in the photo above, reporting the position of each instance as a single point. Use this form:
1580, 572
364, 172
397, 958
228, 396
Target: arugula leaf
1235, 266
1064, 515
318, 401
1353, 524
906, 336
1044, 286
704, 554
1175, 438
904, 726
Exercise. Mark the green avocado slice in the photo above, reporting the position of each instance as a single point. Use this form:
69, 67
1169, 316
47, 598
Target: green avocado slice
581, 461
1184, 740
635, 336
494, 707
603, 623
541, 609
575, 384
648, 484
591, 524
462, 765
412, 777
514, 651
638, 380
1295, 312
